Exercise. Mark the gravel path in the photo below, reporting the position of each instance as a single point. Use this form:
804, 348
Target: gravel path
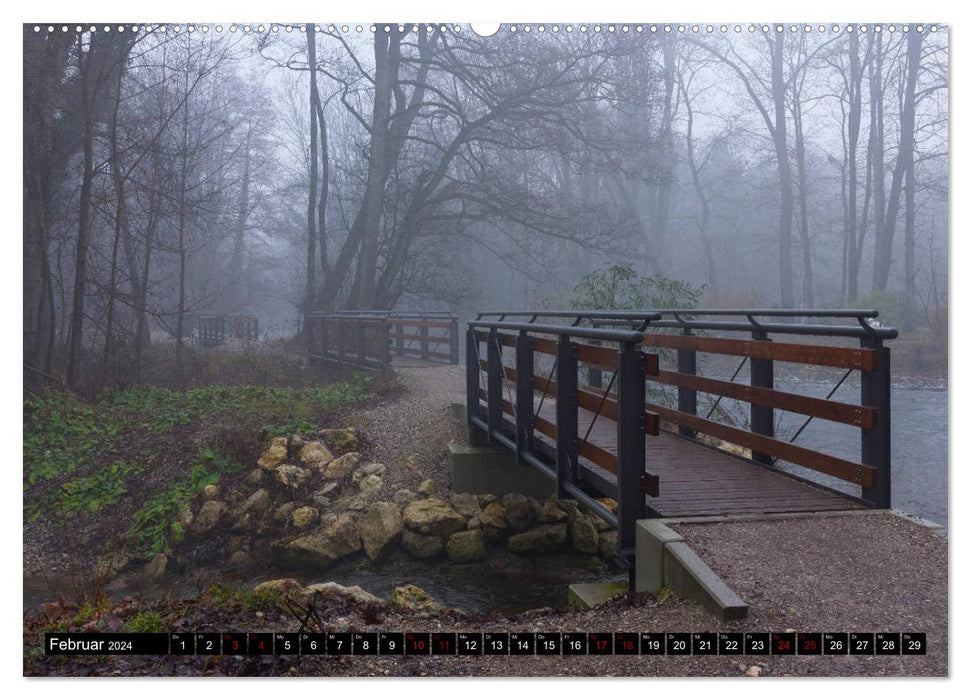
408, 432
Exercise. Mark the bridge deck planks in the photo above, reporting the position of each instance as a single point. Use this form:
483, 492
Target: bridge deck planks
697, 480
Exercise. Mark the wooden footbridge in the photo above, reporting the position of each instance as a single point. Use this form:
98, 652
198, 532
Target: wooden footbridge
606, 403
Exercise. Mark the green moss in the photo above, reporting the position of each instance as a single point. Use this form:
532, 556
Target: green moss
147, 621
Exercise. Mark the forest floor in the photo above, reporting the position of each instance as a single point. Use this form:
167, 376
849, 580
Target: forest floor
855, 573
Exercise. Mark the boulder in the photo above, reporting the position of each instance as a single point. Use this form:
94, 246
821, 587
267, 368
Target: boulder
343, 440
493, 522
155, 569
277, 585
609, 503
403, 497
257, 503
326, 545
466, 504
274, 455
467, 546
520, 511
474, 523
315, 455
296, 442
254, 478
332, 589
608, 545
323, 496
342, 466
485, 499
210, 492
411, 598
542, 538
380, 529
432, 516
599, 523
370, 484
421, 546
304, 518
281, 514
583, 534
426, 488
292, 476
208, 517
372, 469
550, 512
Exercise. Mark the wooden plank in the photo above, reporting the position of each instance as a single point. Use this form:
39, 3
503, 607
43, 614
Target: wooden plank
544, 426
411, 336
421, 324
847, 358
860, 416
598, 356
834, 466
544, 345
506, 339
652, 423
599, 456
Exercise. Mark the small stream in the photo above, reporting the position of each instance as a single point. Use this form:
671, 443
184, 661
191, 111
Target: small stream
502, 585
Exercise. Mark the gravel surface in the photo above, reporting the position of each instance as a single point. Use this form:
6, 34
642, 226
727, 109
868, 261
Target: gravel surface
408, 432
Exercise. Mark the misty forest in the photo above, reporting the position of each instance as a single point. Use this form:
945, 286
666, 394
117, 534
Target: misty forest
171, 174
389, 327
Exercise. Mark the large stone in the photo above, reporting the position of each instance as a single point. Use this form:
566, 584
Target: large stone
492, 519
411, 598
323, 496
380, 529
208, 517
467, 546
542, 538
254, 478
304, 518
466, 504
210, 492
421, 546
370, 484
403, 497
257, 503
433, 516
332, 589
282, 514
328, 544
315, 455
583, 534
342, 466
550, 512
372, 469
274, 455
343, 440
608, 545
292, 476
155, 569
277, 585
520, 511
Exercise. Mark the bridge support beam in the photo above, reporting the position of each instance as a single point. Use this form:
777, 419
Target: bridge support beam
477, 438
687, 397
567, 453
494, 385
524, 395
631, 455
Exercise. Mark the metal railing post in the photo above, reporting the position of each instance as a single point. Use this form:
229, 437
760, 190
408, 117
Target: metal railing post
476, 438
399, 329
567, 452
453, 341
385, 351
687, 397
763, 417
423, 332
524, 395
595, 374
631, 452
875, 442
494, 384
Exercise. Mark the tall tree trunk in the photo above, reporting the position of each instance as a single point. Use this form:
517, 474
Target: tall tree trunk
180, 322
311, 293
853, 133
84, 217
785, 174
808, 296
119, 183
668, 154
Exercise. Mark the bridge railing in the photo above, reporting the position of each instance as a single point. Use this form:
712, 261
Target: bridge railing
555, 441
682, 335
369, 339
216, 329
